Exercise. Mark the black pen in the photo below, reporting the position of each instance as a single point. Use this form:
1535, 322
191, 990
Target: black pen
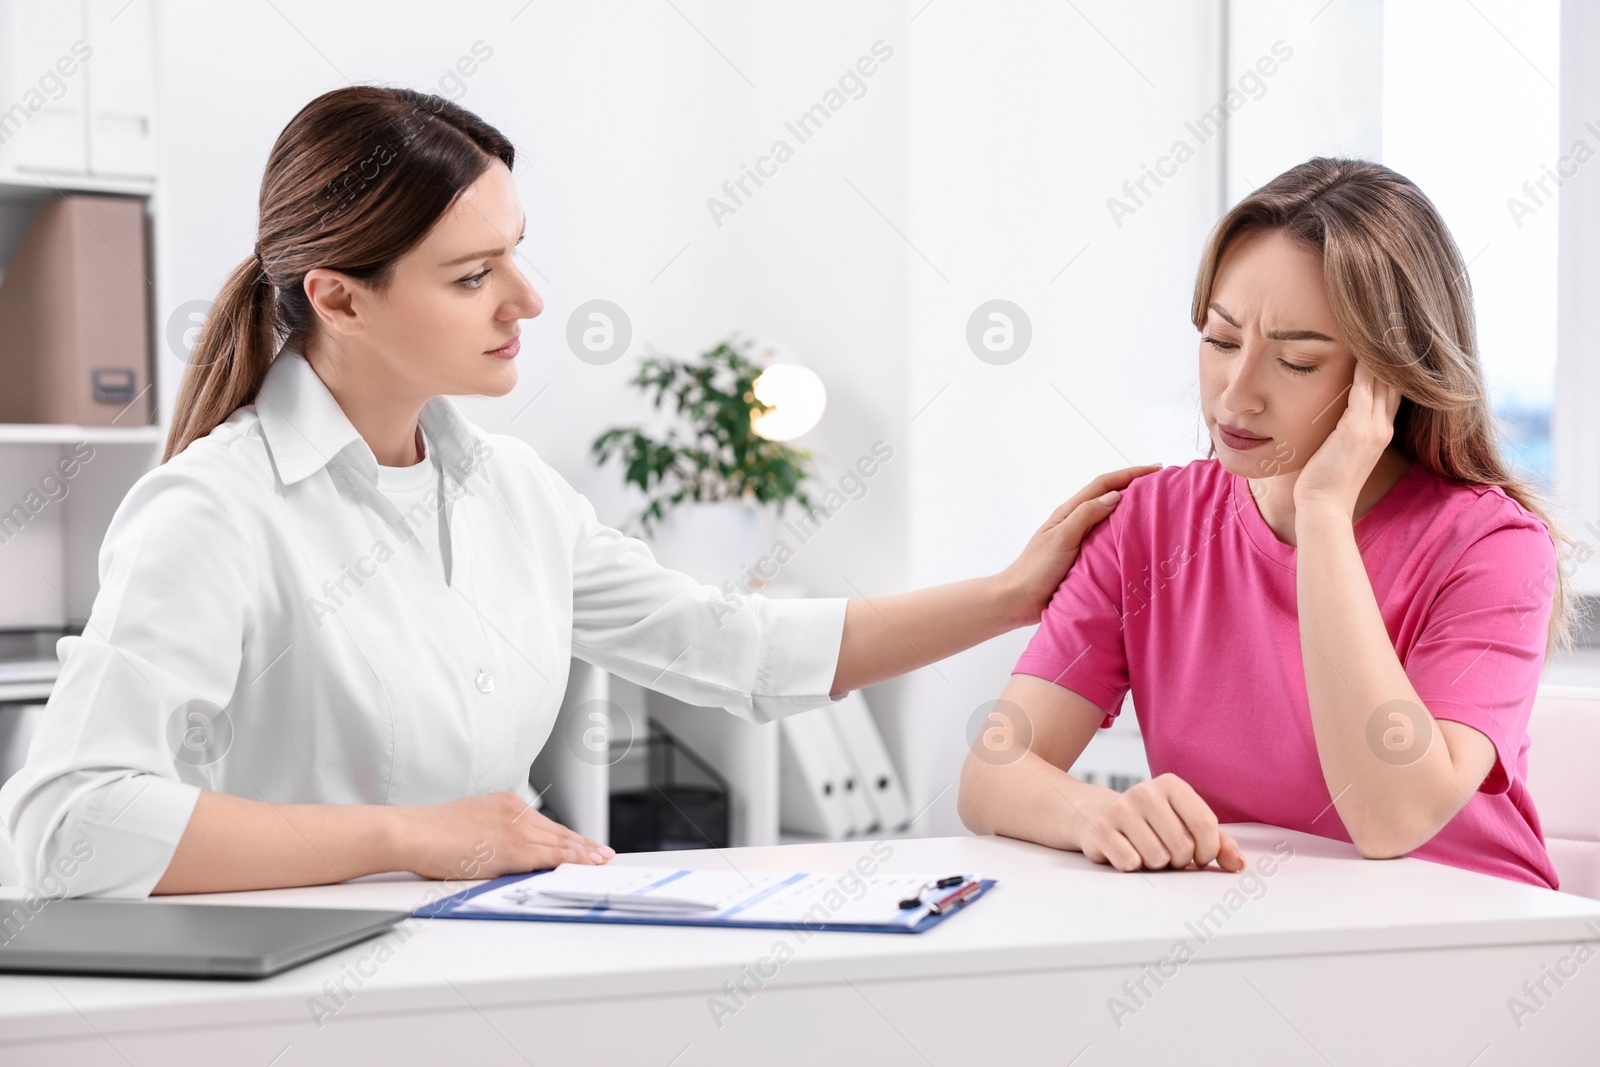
943, 883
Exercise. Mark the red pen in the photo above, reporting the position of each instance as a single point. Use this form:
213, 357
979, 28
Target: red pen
956, 899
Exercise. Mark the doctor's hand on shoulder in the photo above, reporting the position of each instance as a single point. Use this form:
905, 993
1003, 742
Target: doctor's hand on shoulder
1050, 553
491, 835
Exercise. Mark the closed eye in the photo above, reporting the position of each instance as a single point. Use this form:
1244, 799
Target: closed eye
1228, 346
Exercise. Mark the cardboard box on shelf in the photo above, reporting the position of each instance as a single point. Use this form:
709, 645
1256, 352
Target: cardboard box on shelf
74, 316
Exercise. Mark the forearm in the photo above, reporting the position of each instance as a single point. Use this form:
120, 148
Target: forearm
1030, 800
887, 636
1393, 789
235, 843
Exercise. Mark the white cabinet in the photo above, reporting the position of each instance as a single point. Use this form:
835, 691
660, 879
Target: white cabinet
122, 89
77, 89
43, 90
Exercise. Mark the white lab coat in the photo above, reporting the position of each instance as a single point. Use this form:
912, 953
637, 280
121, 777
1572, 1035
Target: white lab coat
268, 626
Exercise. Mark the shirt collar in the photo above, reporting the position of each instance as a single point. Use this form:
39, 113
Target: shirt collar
306, 429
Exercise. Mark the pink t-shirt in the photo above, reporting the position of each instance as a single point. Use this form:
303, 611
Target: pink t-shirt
1187, 596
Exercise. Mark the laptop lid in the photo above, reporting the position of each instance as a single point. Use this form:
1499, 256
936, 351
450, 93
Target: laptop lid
151, 938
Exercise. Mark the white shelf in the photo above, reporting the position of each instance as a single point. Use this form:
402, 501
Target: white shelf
24, 693
15, 183
27, 680
49, 433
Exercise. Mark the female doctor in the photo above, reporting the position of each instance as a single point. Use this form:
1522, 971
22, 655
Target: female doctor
334, 626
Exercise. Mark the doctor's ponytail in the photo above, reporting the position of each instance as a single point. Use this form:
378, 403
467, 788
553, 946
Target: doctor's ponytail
354, 181
229, 359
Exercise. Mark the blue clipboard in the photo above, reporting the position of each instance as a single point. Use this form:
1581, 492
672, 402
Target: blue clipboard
447, 908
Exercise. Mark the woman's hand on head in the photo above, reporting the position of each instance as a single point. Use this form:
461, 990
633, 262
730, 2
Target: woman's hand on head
1158, 824
1032, 577
1341, 465
487, 836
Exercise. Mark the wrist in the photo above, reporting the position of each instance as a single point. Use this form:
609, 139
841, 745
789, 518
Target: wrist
1081, 800
1009, 603
1320, 513
385, 839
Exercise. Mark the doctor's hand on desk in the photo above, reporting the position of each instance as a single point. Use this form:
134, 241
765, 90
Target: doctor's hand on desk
233, 842
491, 835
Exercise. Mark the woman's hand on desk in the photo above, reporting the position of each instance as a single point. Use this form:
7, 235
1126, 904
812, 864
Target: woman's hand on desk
1020, 788
1050, 552
1154, 825
487, 836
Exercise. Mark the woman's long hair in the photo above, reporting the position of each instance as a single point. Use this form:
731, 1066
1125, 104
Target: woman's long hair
1399, 291
354, 181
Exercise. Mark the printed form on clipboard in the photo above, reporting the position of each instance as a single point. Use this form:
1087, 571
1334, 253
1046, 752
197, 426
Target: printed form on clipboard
898, 903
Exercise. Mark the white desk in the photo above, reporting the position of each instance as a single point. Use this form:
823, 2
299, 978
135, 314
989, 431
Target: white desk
1335, 960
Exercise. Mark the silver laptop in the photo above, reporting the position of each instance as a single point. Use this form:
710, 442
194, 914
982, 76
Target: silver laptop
148, 937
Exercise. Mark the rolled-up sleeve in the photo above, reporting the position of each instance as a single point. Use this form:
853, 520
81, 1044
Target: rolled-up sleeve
103, 793
758, 657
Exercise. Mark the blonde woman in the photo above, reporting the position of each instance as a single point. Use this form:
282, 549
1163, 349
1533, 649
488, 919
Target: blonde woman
334, 626
1337, 624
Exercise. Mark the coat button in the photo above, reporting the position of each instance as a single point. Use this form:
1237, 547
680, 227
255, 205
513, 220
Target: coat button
484, 681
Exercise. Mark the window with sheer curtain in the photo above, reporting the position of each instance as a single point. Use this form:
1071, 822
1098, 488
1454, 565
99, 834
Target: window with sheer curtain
1471, 107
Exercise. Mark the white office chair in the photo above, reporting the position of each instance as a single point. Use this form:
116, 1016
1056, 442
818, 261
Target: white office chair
1562, 763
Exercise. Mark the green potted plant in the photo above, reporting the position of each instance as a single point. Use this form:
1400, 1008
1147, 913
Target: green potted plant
712, 471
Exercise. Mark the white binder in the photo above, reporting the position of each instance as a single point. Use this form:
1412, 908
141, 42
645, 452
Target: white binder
863, 816
811, 796
863, 746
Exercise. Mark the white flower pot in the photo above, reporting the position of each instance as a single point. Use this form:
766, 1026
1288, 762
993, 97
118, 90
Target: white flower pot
712, 541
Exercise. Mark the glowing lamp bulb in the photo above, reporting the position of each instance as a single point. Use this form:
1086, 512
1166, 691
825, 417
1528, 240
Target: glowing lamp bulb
796, 397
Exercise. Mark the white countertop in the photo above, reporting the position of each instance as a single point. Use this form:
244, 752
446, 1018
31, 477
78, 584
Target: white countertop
1050, 910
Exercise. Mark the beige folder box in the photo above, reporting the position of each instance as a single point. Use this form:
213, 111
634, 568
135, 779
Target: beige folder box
74, 316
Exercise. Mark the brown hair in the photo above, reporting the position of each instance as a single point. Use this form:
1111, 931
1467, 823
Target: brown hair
1399, 291
354, 181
